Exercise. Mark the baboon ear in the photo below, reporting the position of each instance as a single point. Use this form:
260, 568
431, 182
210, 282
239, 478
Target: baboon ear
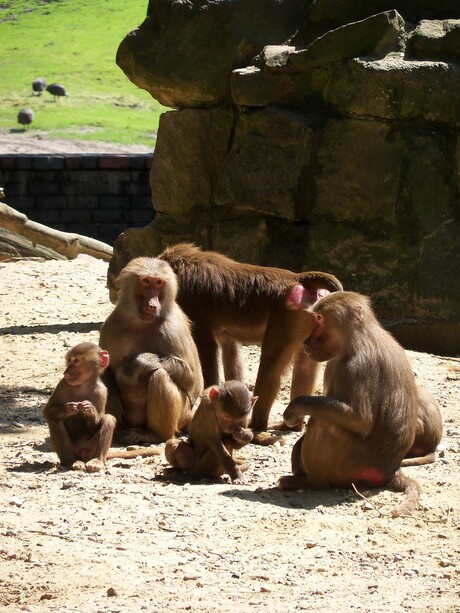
213, 393
104, 358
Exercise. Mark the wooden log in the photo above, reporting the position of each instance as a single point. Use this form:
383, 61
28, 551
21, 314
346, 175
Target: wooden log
14, 246
63, 243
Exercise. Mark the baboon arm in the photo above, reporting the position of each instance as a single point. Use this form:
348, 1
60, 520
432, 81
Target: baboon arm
220, 453
327, 409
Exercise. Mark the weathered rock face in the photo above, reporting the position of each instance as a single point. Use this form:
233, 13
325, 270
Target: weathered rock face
321, 136
184, 51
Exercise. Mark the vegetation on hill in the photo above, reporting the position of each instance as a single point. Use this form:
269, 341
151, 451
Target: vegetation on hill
74, 44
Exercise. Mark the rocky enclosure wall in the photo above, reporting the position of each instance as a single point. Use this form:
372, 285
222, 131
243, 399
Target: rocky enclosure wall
312, 135
94, 195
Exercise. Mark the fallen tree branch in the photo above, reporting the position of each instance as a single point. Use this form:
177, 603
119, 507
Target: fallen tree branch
63, 243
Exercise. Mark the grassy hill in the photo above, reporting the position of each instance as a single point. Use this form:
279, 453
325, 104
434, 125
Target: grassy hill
74, 43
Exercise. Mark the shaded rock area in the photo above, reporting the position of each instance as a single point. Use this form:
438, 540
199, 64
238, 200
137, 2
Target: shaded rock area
312, 135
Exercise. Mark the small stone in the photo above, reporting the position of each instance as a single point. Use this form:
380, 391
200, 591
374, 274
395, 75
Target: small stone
112, 592
16, 501
444, 563
410, 572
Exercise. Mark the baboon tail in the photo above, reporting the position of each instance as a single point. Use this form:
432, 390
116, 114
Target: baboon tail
141, 452
401, 483
429, 458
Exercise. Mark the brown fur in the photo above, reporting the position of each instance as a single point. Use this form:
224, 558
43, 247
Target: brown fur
231, 303
218, 427
155, 374
80, 431
429, 431
366, 422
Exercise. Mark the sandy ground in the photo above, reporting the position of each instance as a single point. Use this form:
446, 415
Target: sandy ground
127, 540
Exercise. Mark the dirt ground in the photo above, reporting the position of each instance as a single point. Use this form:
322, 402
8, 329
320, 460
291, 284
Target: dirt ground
19, 141
128, 540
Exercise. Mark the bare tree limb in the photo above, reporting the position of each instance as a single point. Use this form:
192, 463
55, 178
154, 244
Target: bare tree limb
62, 243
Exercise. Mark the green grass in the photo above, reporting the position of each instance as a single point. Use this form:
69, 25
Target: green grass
74, 43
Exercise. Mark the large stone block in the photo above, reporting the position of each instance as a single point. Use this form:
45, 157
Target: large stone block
378, 177
377, 35
254, 87
426, 184
190, 150
382, 268
270, 166
394, 88
436, 40
359, 164
244, 239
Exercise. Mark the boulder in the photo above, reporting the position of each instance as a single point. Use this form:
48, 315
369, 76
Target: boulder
325, 15
377, 36
184, 52
398, 89
436, 39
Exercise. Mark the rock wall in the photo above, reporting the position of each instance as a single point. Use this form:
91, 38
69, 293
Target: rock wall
312, 135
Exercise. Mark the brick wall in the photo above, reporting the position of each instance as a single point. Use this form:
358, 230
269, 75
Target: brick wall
94, 195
